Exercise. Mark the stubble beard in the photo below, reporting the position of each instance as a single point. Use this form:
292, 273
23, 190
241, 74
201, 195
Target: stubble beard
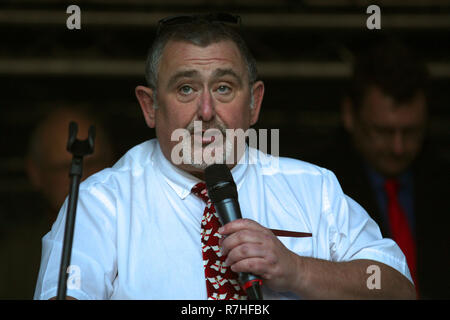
224, 150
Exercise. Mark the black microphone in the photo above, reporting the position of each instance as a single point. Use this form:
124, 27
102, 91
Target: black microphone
223, 194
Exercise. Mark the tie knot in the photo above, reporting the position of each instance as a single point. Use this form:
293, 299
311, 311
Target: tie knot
391, 186
200, 191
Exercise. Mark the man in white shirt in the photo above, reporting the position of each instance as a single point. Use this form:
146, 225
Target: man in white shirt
137, 233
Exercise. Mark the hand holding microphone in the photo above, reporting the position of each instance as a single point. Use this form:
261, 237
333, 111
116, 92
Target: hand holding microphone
249, 246
223, 194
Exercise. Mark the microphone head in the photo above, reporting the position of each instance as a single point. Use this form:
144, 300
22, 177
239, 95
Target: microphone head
219, 182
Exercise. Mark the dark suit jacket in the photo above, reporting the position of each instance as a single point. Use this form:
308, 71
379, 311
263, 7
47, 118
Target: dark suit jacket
431, 208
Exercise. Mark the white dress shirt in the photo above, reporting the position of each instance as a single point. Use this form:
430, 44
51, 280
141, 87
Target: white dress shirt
137, 231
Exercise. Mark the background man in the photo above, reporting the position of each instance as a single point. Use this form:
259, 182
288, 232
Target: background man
387, 165
48, 161
47, 165
142, 226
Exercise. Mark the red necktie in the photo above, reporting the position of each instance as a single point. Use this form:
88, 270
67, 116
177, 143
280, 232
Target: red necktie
400, 229
221, 282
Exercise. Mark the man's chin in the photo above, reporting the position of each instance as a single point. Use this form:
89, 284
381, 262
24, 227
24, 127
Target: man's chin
392, 170
199, 167
196, 170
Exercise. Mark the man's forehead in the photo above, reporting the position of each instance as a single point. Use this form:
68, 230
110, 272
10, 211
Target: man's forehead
377, 100
381, 107
179, 55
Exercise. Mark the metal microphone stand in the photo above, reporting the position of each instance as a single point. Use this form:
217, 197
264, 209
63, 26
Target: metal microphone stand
79, 149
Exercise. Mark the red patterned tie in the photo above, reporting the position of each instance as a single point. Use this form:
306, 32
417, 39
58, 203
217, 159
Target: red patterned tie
221, 282
400, 229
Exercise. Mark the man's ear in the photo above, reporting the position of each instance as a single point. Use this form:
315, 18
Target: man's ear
146, 101
258, 94
348, 114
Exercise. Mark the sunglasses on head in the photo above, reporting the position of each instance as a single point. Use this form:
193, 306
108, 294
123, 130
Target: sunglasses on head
210, 17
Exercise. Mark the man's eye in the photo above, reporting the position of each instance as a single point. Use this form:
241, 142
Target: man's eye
223, 89
186, 90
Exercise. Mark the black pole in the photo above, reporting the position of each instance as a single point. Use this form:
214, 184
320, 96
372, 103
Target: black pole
79, 149
68, 233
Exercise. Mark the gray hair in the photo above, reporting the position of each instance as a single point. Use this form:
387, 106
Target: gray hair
200, 33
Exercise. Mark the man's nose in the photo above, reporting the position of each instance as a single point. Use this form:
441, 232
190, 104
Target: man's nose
398, 142
206, 108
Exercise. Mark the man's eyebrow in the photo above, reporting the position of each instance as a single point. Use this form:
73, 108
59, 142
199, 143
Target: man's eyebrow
194, 73
223, 72
182, 74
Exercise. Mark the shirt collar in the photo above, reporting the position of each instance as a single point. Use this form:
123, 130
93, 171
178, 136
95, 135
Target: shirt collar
182, 182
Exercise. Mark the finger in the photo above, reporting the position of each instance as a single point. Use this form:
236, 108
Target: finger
256, 265
240, 224
245, 251
238, 238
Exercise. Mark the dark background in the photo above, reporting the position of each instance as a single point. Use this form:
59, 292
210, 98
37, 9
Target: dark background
303, 49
